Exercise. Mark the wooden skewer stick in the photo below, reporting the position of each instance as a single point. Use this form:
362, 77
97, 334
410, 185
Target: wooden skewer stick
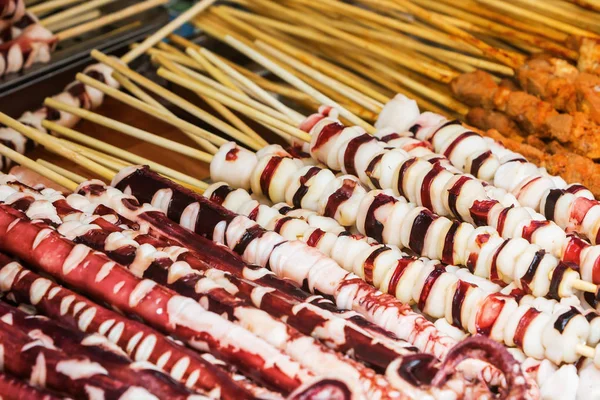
51, 144
166, 30
231, 93
234, 104
500, 29
112, 163
212, 70
19, 158
589, 4
251, 86
77, 20
50, 5
229, 116
119, 153
116, 164
296, 82
62, 171
140, 94
109, 19
352, 94
182, 60
521, 12
175, 99
130, 130
159, 113
73, 11
385, 52
501, 18
513, 60
266, 84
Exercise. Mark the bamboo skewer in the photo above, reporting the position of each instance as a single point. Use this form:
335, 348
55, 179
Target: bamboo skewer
266, 84
19, 158
511, 59
234, 104
109, 19
50, 5
199, 78
62, 171
119, 153
294, 81
140, 94
385, 52
327, 68
166, 30
160, 113
173, 98
252, 87
102, 159
216, 73
231, 118
521, 12
130, 130
68, 23
50, 143
74, 11
352, 94
500, 29
589, 4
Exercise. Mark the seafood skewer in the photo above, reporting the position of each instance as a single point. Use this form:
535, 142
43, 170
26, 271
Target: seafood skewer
199, 373
157, 305
97, 350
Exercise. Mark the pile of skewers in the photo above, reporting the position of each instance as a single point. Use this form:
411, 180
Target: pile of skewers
406, 259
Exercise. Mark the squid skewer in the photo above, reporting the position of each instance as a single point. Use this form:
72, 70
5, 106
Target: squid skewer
572, 207
98, 350
43, 365
440, 292
78, 266
325, 325
199, 373
147, 261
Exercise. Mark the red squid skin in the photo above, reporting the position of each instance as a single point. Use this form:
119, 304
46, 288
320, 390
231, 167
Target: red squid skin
23, 357
51, 254
118, 365
15, 389
210, 375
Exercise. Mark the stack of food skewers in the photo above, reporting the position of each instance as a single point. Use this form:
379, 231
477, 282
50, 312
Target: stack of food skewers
473, 255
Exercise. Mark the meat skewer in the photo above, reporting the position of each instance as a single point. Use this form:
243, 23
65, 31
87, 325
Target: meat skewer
535, 116
98, 350
199, 372
145, 298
